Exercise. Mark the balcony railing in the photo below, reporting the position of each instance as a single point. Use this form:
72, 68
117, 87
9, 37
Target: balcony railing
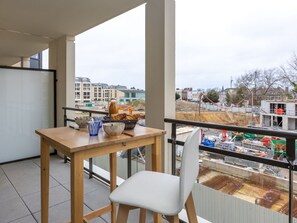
287, 163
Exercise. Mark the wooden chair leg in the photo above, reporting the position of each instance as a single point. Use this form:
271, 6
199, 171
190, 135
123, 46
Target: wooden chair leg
123, 213
190, 208
173, 219
142, 215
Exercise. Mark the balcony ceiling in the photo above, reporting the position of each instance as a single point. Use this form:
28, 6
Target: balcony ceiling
27, 27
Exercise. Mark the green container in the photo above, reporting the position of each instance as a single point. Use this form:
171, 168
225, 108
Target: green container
249, 136
282, 142
238, 137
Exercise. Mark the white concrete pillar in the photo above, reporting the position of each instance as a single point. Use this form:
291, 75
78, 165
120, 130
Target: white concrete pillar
160, 68
62, 59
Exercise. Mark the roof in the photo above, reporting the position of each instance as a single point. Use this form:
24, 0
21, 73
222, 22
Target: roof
102, 85
27, 27
82, 79
132, 90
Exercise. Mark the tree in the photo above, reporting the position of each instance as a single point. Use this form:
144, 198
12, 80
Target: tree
228, 99
250, 81
257, 83
211, 96
177, 96
288, 74
240, 95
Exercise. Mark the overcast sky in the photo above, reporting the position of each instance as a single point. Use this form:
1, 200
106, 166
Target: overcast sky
215, 40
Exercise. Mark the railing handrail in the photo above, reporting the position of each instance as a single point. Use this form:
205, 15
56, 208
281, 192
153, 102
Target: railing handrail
85, 110
278, 163
290, 148
262, 131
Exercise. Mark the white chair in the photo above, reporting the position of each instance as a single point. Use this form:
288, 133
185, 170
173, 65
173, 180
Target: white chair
159, 192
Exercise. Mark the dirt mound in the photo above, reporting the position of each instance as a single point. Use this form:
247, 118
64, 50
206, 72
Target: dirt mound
187, 106
190, 111
228, 118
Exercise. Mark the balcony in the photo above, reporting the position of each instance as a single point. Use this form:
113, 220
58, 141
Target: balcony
20, 186
23, 37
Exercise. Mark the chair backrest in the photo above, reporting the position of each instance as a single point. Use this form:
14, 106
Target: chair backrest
189, 165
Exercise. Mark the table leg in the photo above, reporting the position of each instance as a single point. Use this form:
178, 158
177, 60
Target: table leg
44, 167
113, 181
156, 155
77, 187
156, 166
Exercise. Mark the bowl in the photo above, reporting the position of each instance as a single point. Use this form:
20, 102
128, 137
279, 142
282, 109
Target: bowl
129, 124
82, 122
114, 128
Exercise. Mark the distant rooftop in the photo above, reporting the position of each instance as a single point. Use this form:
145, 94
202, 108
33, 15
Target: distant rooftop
102, 85
132, 90
119, 87
82, 79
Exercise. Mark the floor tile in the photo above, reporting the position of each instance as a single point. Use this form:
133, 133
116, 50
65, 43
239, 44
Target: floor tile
134, 217
90, 185
27, 219
57, 195
61, 213
59, 170
25, 176
7, 190
12, 209
1, 171
98, 198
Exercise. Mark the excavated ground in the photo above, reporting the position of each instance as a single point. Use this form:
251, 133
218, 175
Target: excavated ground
189, 111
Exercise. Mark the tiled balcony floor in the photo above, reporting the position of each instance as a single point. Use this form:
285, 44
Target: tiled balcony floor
20, 193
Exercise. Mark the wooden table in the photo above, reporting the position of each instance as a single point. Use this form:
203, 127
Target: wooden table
78, 145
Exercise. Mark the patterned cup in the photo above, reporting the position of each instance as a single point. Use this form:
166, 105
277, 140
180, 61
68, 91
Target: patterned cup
93, 127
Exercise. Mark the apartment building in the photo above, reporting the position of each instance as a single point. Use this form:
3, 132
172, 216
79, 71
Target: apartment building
129, 95
104, 92
82, 89
279, 114
85, 91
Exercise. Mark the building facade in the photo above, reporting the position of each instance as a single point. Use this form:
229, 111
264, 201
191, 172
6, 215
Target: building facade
85, 91
130, 95
82, 89
279, 114
103, 92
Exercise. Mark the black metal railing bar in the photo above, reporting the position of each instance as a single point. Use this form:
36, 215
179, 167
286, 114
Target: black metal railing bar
290, 137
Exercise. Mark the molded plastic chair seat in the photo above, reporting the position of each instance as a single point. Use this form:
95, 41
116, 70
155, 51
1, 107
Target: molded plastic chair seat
150, 190
159, 192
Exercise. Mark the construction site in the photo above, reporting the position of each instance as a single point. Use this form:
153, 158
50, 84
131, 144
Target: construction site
190, 111
253, 182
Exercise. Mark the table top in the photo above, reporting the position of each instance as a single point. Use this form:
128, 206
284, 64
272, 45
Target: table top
72, 140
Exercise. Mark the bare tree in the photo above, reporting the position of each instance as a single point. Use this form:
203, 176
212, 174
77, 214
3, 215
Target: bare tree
259, 82
251, 81
288, 74
293, 63
270, 78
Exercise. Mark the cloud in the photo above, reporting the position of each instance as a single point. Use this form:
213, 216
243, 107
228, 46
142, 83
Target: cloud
214, 41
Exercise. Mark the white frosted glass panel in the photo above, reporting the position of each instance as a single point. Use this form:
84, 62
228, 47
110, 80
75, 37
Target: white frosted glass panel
27, 104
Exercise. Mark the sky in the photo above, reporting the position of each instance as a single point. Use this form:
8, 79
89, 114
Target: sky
215, 40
